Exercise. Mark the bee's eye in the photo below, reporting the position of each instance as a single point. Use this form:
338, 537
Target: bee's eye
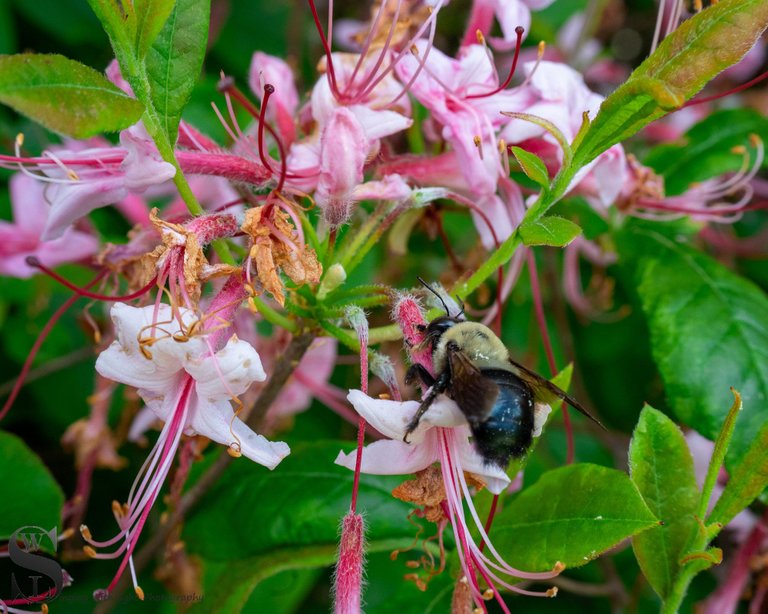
421, 328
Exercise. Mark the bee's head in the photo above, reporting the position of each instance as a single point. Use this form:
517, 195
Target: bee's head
435, 329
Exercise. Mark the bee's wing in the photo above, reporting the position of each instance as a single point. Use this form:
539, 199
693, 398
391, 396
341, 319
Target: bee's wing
542, 385
474, 393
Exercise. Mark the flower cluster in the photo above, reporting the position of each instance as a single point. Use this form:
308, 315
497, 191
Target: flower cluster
238, 289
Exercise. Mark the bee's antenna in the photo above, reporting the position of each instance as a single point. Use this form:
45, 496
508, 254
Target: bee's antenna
461, 304
440, 298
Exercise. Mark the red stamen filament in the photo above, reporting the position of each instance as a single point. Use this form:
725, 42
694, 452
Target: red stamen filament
34, 262
228, 86
39, 342
735, 90
519, 30
327, 48
542, 322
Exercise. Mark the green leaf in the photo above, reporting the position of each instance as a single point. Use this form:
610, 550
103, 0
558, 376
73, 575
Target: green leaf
748, 478
65, 96
550, 230
571, 515
118, 20
151, 16
30, 494
532, 166
709, 332
252, 511
684, 62
706, 149
661, 467
175, 60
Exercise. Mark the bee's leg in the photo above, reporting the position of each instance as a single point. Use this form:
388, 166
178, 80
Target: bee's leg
415, 372
439, 386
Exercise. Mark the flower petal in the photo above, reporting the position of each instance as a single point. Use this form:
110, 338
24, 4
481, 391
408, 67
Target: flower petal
389, 457
495, 478
217, 421
230, 373
391, 418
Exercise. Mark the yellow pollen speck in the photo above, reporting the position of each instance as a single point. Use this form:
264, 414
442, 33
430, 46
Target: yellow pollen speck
502, 146
464, 579
20, 139
66, 534
542, 49
552, 592
89, 551
477, 611
234, 450
477, 140
44, 609
73, 175
139, 592
755, 140
85, 531
414, 50
488, 594
480, 37
558, 567
412, 564
739, 149
697, 5
384, 396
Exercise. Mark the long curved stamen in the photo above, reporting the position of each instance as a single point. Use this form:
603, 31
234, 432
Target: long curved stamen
542, 323
428, 23
39, 342
519, 31
327, 48
735, 90
367, 44
382, 54
84, 292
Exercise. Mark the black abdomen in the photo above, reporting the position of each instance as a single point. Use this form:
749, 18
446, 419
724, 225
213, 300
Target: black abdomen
508, 431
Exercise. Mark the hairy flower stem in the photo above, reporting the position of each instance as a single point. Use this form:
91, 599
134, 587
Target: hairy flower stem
277, 379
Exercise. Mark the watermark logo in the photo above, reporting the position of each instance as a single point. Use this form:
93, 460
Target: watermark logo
42, 577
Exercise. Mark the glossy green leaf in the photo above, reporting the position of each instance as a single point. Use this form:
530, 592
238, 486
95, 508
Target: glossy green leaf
661, 467
549, 230
30, 494
65, 96
252, 511
571, 515
709, 331
532, 166
748, 478
175, 60
151, 16
707, 149
684, 62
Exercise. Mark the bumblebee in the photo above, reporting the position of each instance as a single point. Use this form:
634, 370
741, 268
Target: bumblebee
496, 394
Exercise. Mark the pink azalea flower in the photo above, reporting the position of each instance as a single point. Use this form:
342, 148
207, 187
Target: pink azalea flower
395, 457
21, 238
188, 386
74, 195
454, 92
441, 437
